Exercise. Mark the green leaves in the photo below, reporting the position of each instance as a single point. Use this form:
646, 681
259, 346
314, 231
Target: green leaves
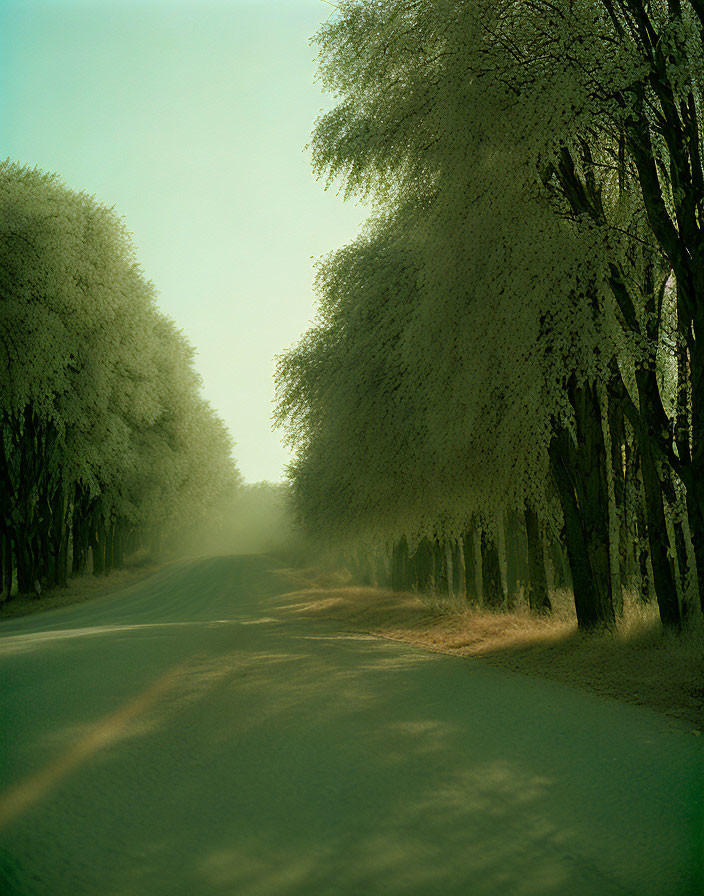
86, 354
490, 136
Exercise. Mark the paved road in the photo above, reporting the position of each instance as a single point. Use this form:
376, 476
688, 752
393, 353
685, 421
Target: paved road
187, 736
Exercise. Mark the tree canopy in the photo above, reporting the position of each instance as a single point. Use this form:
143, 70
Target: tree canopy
106, 440
517, 325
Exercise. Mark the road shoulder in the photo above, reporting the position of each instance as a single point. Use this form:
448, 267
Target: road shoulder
638, 664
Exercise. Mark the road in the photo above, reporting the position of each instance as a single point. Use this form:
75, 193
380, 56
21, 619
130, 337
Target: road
189, 735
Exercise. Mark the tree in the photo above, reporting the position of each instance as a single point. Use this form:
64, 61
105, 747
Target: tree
104, 432
571, 129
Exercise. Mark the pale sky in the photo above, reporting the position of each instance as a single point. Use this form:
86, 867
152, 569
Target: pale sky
191, 119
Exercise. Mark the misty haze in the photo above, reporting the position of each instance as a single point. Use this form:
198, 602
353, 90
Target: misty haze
351, 447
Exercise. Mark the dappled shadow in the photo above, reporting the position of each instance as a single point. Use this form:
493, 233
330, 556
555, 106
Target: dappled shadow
638, 664
292, 757
314, 769
457, 838
330, 764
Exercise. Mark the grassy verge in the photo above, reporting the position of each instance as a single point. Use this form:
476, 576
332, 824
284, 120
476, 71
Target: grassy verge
638, 663
78, 591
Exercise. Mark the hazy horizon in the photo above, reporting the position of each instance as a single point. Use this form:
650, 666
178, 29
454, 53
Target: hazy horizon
191, 119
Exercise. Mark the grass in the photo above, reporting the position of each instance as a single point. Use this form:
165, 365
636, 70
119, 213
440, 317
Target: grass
78, 590
637, 663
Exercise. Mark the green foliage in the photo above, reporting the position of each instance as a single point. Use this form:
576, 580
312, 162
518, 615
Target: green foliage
426, 392
535, 252
102, 421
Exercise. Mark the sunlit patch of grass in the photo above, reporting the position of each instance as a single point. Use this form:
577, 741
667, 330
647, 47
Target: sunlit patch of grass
78, 590
638, 662
313, 578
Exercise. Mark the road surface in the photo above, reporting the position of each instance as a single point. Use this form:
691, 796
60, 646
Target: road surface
188, 735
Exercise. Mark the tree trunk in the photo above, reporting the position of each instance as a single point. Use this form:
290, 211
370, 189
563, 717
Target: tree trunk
522, 558
681, 560
632, 493
43, 555
58, 537
470, 566
26, 567
5, 568
538, 598
492, 588
62, 559
663, 568
513, 538
439, 568
109, 542
580, 475
589, 589
422, 565
400, 578
118, 550
461, 571
80, 531
640, 542
695, 488
612, 428
449, 569
695, 514
97, 546
78, 544
556, 552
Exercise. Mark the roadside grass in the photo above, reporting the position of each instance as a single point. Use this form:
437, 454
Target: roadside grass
79, 589
637, 663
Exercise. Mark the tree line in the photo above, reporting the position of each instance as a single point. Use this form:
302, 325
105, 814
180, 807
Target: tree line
106, 444
509, 359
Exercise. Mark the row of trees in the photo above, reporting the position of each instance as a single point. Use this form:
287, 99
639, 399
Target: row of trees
518, 332
256, 519
520, 559
106, 443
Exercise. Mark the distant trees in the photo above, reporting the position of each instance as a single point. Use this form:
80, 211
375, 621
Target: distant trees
105, 441
516, 334
254, 518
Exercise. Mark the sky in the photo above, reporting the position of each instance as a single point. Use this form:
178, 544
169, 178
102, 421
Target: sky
191, 119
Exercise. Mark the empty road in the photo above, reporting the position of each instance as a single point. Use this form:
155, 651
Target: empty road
189, 735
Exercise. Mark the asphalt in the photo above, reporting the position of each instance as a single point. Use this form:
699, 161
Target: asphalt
189, 735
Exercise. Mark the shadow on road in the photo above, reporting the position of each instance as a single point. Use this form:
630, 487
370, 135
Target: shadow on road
288, 757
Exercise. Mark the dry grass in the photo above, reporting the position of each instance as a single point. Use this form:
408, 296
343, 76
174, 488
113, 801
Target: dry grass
638, 663
80, 589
